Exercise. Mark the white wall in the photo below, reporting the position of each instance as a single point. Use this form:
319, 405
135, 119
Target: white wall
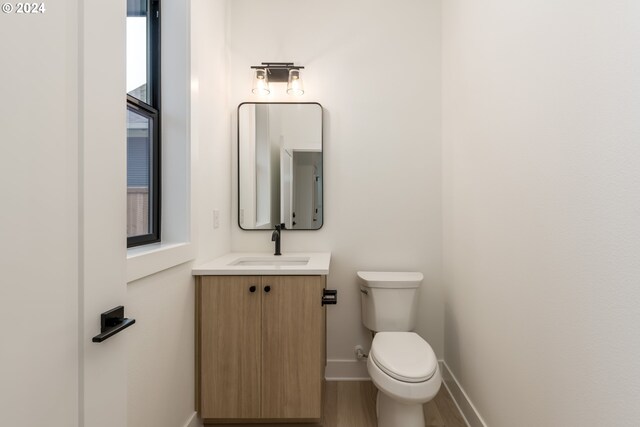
161, 345
300, 126
375, 68
161, 348
542, 170
248, 156
264, 174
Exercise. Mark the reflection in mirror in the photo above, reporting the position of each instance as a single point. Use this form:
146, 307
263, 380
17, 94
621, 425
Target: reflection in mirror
280, 166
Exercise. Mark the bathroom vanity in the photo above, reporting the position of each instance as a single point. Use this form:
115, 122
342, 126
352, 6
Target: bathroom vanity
260, 337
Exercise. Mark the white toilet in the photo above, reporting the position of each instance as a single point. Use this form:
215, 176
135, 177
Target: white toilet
401, 364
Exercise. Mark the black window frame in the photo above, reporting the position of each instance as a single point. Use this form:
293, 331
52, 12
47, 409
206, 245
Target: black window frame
151, 110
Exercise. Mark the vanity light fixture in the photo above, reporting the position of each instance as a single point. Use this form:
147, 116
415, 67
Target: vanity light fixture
277, 72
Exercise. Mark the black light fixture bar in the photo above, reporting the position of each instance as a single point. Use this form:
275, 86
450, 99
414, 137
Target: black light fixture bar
278, 71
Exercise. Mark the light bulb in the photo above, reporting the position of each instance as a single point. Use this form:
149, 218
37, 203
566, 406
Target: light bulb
294, 84
261, 82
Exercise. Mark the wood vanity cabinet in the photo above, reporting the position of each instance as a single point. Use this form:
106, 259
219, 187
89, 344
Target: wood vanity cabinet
260, 348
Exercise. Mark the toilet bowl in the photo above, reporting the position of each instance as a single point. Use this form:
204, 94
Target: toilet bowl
405, 370
401, 364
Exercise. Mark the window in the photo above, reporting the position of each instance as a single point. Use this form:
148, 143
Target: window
143, 122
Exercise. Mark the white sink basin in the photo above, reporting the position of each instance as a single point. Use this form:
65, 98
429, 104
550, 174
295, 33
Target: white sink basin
265, 262
260, 263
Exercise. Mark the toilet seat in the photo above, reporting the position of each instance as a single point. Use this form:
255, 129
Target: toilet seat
404, 392
404, 356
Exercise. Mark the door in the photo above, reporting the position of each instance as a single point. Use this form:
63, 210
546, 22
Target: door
229, 312
293, 331
62, 225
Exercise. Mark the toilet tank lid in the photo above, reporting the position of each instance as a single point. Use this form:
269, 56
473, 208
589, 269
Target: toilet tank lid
390, 279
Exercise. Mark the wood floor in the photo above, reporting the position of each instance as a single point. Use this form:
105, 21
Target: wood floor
353, 404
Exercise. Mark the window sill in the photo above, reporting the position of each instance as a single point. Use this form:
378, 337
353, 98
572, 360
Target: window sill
146, 260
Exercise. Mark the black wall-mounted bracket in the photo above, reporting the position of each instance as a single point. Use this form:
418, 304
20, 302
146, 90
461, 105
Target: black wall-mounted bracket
278, 71
329, 296
112, 322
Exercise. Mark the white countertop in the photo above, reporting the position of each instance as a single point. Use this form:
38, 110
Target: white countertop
318, 264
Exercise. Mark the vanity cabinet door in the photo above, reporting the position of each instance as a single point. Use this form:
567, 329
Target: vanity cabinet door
293, 334
229, 353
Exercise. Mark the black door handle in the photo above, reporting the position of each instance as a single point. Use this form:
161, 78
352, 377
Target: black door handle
252, 288
112, 322
267, 289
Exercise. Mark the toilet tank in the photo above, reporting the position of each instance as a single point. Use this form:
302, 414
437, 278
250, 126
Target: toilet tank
389, 300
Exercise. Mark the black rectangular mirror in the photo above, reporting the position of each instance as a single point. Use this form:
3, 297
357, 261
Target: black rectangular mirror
280, 167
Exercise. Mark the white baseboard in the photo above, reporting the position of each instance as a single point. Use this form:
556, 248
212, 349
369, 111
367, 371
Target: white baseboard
346, 370
193, 421
462, 401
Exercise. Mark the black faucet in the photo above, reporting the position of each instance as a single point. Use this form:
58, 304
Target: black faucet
275, 237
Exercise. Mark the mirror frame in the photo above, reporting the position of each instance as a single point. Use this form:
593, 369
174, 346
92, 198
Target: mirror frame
238, 161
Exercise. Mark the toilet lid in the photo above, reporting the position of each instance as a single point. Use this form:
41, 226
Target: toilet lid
404, 356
